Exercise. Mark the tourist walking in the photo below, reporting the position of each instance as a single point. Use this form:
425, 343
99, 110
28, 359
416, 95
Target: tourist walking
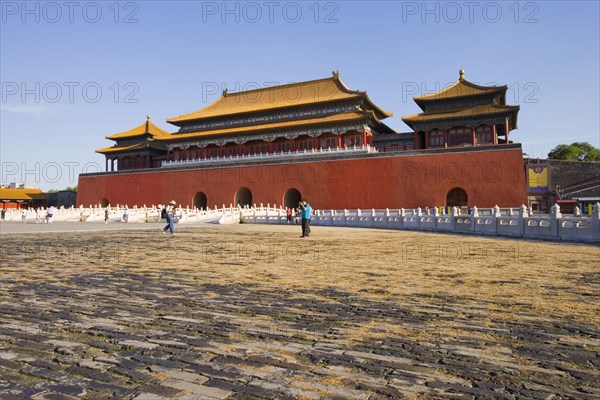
126, 215
169, 212
106, 215
305, 210
289, 215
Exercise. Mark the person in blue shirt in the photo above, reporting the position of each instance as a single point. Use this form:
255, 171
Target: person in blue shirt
305, 211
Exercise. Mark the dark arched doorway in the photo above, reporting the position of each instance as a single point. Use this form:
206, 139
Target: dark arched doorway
104, 202
200, 200
457, 197
243, 197
291, 198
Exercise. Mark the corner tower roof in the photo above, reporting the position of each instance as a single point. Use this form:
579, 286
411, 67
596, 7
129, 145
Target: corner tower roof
462, 88
146, 128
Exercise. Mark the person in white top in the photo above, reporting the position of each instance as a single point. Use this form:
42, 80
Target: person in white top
170, 212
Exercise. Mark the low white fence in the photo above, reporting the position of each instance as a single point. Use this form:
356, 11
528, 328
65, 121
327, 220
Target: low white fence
493, 221
123, 214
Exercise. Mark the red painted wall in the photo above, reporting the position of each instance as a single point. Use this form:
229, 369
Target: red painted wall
489, 177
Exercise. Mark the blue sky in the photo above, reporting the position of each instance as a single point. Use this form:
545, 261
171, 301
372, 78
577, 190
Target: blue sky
74, 72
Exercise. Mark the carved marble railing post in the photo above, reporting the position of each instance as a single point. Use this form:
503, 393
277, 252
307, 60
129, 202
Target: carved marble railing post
474, 216
495, 215
523, 213
555, 216
455, 213
436, 214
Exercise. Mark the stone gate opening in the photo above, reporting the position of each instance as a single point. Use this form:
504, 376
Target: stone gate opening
243, 197
200, 200
291, 198
457, 197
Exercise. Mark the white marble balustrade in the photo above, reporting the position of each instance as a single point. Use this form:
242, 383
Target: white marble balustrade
494, 221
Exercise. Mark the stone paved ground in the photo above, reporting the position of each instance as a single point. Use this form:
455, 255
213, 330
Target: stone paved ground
248, 312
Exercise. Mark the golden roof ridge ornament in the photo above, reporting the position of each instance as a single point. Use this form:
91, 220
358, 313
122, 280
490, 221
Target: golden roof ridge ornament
462, 75
225, 92
336, 74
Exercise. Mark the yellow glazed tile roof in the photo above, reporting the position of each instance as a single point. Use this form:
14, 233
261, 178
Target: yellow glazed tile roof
22, 194
460, 113
137, 146
342, 117
146, 127
462, 88
294, 94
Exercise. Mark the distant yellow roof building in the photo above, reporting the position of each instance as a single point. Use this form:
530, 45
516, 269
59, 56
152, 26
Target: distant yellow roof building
18, 198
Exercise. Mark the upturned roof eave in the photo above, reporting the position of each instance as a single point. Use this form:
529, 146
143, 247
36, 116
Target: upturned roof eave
265, 129
238, 114
415, 118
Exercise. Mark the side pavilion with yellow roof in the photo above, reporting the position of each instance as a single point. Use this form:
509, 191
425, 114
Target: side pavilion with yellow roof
136, 148
464, 114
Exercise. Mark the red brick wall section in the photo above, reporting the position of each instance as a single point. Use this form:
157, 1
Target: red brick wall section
489, 177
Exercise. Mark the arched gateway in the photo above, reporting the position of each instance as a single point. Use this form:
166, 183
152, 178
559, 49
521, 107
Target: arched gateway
457, 197
243, 197
291, 198
200, 200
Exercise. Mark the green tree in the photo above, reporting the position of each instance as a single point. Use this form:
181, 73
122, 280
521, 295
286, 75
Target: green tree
578, 151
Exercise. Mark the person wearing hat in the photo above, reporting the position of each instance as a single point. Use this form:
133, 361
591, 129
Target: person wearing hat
170, 212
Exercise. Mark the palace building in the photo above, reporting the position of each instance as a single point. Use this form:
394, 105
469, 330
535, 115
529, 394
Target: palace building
320, 140
464, 114
22, 195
